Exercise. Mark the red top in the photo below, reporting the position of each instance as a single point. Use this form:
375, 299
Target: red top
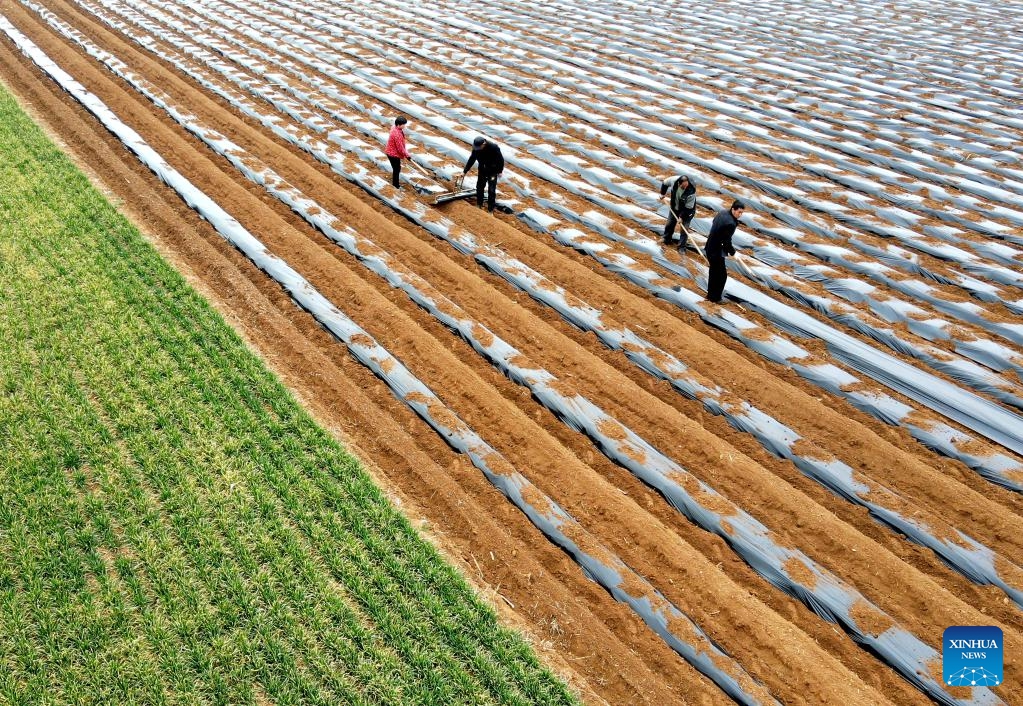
396, 144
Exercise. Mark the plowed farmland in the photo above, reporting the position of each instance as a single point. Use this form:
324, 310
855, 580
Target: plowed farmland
786, 497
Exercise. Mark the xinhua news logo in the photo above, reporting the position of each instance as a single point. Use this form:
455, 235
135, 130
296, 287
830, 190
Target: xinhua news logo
972, 655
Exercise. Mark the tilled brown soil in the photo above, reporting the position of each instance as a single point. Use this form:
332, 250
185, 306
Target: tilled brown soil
600, 646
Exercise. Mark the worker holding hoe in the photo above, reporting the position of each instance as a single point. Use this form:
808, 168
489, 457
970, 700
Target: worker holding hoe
491, 163
681, 197
719, 244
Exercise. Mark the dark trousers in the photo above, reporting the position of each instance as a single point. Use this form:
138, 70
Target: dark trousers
716, 278
395, 170
669, 230
490, 182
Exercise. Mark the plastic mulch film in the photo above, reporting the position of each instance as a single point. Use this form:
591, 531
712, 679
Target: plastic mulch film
993, 355
976, 563
960, 371
993, 467
596, 561
742, 175
752, 105
282, 37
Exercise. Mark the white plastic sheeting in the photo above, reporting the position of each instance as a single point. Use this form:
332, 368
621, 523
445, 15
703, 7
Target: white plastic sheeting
598, 563
995, 471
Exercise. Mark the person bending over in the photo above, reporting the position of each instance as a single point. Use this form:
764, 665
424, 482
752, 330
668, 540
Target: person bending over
680, 194
488, 156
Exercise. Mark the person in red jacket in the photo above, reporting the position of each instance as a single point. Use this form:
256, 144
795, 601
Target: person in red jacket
396, 150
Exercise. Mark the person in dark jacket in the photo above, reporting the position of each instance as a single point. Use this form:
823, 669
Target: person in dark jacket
680, 194
719, 244
491, 163
396, 150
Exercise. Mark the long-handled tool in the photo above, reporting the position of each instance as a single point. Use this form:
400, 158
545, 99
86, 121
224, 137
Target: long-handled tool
443, 196
454, 195
740, 264
689, 236
429, 176
422, 171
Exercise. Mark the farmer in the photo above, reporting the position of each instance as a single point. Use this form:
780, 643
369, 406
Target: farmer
680, 194
396, 150
491, 164
719, 244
